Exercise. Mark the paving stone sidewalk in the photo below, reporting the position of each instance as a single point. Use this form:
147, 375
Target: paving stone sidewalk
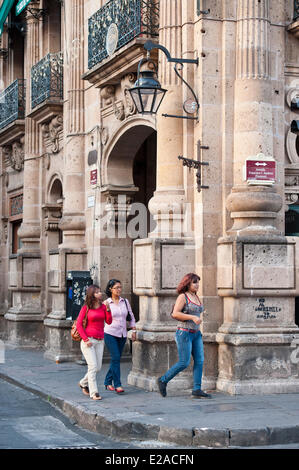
222, 422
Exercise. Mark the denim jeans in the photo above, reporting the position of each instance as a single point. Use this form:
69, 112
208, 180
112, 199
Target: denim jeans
115, 346
187, 344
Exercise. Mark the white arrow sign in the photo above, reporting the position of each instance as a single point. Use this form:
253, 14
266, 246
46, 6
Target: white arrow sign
260, 164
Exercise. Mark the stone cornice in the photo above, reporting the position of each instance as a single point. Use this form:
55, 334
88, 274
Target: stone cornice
122, 62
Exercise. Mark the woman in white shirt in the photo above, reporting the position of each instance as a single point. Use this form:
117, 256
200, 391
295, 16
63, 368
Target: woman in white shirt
115, 334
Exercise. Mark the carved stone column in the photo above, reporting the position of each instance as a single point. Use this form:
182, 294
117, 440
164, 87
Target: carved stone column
160, 261
25, 325
30, 229
73, 219
167, 203
72, 253
256, 272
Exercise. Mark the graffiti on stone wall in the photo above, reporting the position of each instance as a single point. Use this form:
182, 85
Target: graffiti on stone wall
266, 312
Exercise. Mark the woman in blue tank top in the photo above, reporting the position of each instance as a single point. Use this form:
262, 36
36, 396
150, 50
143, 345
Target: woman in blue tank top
188, 311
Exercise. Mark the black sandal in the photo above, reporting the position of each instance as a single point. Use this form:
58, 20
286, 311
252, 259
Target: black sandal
85, 390
96, 396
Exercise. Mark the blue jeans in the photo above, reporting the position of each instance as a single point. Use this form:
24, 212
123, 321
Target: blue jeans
115, 346
187, 344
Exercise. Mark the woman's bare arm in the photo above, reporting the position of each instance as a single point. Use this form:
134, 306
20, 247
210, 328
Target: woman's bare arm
179, 315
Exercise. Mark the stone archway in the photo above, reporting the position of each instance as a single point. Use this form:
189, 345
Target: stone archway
119, 155
129, 176
53, 212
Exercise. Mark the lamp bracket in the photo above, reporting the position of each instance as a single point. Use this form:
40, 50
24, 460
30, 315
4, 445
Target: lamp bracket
201, 12
4, 53
180, 117
149, 46
37, 13
192, 163
197, 165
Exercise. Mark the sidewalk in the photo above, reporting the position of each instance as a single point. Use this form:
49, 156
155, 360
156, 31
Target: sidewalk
224, 421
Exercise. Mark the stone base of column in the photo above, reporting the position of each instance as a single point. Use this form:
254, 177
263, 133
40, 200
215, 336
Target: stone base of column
258, 363
210, 367
159, 265
258, 387
153, 354
59, 344
2, 326
25, 330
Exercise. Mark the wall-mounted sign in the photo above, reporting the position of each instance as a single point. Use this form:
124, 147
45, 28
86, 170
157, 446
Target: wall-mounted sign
260, 170
111, 39
90, 201
93, 176
21, 5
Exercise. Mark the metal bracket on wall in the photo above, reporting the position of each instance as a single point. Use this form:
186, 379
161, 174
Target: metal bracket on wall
201, 12
38, 13
196, 164
4, 53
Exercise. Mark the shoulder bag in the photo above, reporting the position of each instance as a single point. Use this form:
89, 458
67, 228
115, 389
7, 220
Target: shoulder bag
74, 332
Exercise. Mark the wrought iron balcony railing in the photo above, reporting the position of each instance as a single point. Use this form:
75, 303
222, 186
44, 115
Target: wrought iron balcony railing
296, 10
12, 103
47, 79
132, 17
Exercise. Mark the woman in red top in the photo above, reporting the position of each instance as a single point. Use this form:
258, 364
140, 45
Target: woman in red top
92, 344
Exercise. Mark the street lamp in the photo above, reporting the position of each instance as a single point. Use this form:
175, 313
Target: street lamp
147, 93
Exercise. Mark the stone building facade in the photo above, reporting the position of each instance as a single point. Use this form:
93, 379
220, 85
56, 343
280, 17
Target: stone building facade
89, 184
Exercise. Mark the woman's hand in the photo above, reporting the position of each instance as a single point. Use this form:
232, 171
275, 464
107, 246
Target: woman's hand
134, 335
89, 344
197, 320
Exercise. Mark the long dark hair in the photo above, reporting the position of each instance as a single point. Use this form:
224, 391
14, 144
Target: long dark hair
109, 286
186, 281
90, 300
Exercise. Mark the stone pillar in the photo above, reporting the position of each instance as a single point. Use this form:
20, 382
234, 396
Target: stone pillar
256, 264
72, 253
160, 261
167, 203
73, 219
25, 316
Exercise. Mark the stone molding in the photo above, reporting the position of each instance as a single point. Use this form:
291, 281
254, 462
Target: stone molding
118, 205
14, 154
53, 214
52, 133
123, 107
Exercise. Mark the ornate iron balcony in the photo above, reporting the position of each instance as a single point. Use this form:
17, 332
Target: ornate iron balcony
296, 10
47, 79
132, 17
12, 103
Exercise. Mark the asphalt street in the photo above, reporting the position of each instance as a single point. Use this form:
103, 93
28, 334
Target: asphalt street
28, 422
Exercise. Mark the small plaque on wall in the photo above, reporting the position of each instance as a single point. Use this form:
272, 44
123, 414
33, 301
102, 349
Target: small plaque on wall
260, 170
93, 176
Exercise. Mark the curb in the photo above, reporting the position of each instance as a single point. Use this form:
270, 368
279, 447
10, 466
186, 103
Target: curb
195, 437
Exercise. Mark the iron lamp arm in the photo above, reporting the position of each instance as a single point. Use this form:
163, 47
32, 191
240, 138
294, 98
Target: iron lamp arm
149, 46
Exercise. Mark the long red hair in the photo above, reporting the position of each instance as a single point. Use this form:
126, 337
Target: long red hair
186, 281
90, 299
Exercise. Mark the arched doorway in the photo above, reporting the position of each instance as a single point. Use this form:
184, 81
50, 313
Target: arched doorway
292, 229
53, 213
130, 170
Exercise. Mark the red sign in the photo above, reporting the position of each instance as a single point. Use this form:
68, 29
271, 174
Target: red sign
93, 176
260, 170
